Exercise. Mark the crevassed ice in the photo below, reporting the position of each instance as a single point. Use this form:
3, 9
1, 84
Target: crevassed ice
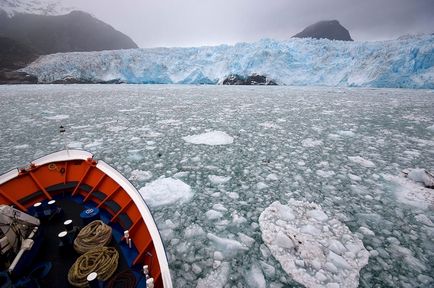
312, 248
397, 63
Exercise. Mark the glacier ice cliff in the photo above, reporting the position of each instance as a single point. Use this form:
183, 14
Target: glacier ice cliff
403, 63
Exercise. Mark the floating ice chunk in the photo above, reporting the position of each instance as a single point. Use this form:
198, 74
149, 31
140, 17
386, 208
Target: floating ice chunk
309, 142
272, 177
95, 143
217, 278
228, 247
246, 240
180, 175
366, 231
410, 192
325, 174
347, 133
269, 270
422, 176
362, 161
217, 180
311, 240
430, 128
213, 215
219, 207
140, 175
23, 146
193, 231
210, 138
354, 177
422, 218
270, 125
166, 191
233, 195
254, 277
237, 219
261, 185
116, 129
57, 117
75, 145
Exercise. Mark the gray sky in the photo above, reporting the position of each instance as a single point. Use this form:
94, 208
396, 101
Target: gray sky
212, 22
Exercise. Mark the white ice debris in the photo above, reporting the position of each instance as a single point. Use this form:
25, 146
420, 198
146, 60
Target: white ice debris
410, 192
140, 175
254, 277
346, 133
362, 161
430, 128
309, 142
314, 249
217, 278
213, 215
228, 247
217, 180
210, 138
421, 176
57, 117
166, 191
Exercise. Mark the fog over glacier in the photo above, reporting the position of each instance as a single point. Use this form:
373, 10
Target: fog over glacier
256, 186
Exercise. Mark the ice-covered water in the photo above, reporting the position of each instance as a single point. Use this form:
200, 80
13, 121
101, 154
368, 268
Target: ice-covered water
342, 149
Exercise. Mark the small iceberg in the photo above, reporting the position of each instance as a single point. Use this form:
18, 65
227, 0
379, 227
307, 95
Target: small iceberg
314, 249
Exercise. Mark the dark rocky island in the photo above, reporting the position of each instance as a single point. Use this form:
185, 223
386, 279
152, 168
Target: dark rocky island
254, 79
331, 30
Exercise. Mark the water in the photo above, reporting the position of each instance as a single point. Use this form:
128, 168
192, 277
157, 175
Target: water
287, 143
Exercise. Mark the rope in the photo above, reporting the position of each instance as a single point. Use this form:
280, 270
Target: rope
93, 235
102, 260
124, 279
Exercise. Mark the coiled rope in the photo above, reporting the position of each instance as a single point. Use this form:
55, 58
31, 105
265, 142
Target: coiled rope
102, 260
93, 235
124, 279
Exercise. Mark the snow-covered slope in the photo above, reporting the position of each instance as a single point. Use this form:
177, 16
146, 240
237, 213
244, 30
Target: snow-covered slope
39, 7
405, 63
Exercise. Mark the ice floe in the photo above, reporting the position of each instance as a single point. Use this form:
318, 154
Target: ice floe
309, 142
361, 161
210, 138
140, 175
314, 249
165, 191
57, 117
410, 192
217, 180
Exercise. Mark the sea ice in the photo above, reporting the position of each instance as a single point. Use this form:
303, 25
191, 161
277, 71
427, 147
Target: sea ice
217, 180
57, 117
254, 277
310, 245
217, 278
166, 191
228, 247
410, 192
309, 142
210, 138
140, 175
362, 161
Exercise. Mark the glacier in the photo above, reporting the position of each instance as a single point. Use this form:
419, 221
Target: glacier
407, 62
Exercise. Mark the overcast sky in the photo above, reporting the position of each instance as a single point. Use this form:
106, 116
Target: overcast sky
211, 22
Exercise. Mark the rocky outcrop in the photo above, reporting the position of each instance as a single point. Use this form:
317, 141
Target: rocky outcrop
253, 79
15, 77
331, 30
76, 31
